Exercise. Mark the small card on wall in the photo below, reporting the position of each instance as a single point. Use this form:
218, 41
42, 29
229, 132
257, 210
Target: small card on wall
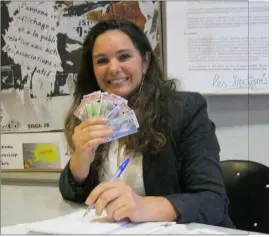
41, 155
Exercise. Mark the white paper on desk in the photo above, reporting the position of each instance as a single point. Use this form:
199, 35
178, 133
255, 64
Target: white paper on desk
143, 228
181, 229
75, 224
20, 229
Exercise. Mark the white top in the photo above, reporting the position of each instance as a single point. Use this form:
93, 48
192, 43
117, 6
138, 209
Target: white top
133, 174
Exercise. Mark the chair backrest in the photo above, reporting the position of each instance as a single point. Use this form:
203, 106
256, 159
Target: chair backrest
247, 186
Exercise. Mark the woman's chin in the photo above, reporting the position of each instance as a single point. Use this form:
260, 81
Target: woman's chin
123, 92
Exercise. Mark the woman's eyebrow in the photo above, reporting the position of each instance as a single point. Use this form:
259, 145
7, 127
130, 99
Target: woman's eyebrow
124, 51
99, 55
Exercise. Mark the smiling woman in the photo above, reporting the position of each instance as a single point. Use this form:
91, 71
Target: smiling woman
118, 65
174, 173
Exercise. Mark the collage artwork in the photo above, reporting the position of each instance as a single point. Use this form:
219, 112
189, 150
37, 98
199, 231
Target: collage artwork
40, 50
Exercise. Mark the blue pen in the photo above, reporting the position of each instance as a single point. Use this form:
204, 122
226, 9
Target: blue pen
116, 176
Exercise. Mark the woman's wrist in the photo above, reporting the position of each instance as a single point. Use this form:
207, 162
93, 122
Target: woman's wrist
79, 170
159, 209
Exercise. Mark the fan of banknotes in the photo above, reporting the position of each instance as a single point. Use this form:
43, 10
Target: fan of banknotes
115, 108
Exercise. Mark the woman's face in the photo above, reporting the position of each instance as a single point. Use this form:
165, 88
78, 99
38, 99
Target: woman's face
118, 65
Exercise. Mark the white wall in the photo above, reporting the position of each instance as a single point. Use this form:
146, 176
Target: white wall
242, 126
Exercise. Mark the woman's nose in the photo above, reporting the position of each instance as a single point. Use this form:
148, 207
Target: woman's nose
114, 66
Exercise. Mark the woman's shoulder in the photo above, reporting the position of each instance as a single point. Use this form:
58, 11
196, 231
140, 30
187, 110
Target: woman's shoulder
187, 109
187, 101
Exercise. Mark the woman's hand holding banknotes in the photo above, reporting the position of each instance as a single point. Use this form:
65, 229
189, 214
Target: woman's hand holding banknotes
86, 138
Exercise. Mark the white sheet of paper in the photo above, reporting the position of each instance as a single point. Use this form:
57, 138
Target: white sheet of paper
180, 229
75, 224
20, 229
144, 228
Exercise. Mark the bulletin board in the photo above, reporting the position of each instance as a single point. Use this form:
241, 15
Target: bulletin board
40, 52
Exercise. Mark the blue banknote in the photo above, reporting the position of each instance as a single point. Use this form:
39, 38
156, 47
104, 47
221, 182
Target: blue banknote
123, 126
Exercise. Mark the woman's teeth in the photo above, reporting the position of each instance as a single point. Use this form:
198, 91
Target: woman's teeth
117, 81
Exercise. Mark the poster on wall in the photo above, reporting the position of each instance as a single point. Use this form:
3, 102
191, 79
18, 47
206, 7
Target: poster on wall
40, 54
28, 151
218, 47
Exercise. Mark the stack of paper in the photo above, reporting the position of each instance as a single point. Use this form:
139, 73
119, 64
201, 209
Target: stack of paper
75, 224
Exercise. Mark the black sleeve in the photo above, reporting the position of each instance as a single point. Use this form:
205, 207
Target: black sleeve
203, 198
74, 191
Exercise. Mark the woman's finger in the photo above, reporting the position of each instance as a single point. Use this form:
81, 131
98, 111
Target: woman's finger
93, 143
91, 121
115, 205
100, 133
96, 127
91, 131
109, 196
102, 187
121, 213
84, 137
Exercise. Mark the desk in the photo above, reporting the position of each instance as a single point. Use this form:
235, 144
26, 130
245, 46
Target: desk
22, 203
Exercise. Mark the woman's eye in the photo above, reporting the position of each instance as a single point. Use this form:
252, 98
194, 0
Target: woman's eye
124, 57
101, 61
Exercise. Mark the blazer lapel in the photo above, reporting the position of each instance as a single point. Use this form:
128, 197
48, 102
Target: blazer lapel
160, 172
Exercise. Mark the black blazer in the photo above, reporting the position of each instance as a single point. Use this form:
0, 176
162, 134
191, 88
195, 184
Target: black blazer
186, 171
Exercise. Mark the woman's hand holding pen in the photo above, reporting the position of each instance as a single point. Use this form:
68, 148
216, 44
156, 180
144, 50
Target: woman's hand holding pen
86, 138
119, 201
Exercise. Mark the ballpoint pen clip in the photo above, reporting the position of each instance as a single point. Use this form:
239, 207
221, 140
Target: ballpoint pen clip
121, 168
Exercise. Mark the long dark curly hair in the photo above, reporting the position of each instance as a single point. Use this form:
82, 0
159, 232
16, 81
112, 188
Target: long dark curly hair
150, 102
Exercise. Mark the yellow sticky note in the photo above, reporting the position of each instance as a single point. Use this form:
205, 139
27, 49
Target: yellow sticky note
46, 153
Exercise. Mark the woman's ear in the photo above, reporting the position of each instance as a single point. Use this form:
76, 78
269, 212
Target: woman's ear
146, 61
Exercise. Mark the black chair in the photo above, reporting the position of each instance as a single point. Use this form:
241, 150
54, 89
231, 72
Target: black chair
247, 186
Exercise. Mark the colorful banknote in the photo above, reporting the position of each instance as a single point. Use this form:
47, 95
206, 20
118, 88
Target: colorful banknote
102, 104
